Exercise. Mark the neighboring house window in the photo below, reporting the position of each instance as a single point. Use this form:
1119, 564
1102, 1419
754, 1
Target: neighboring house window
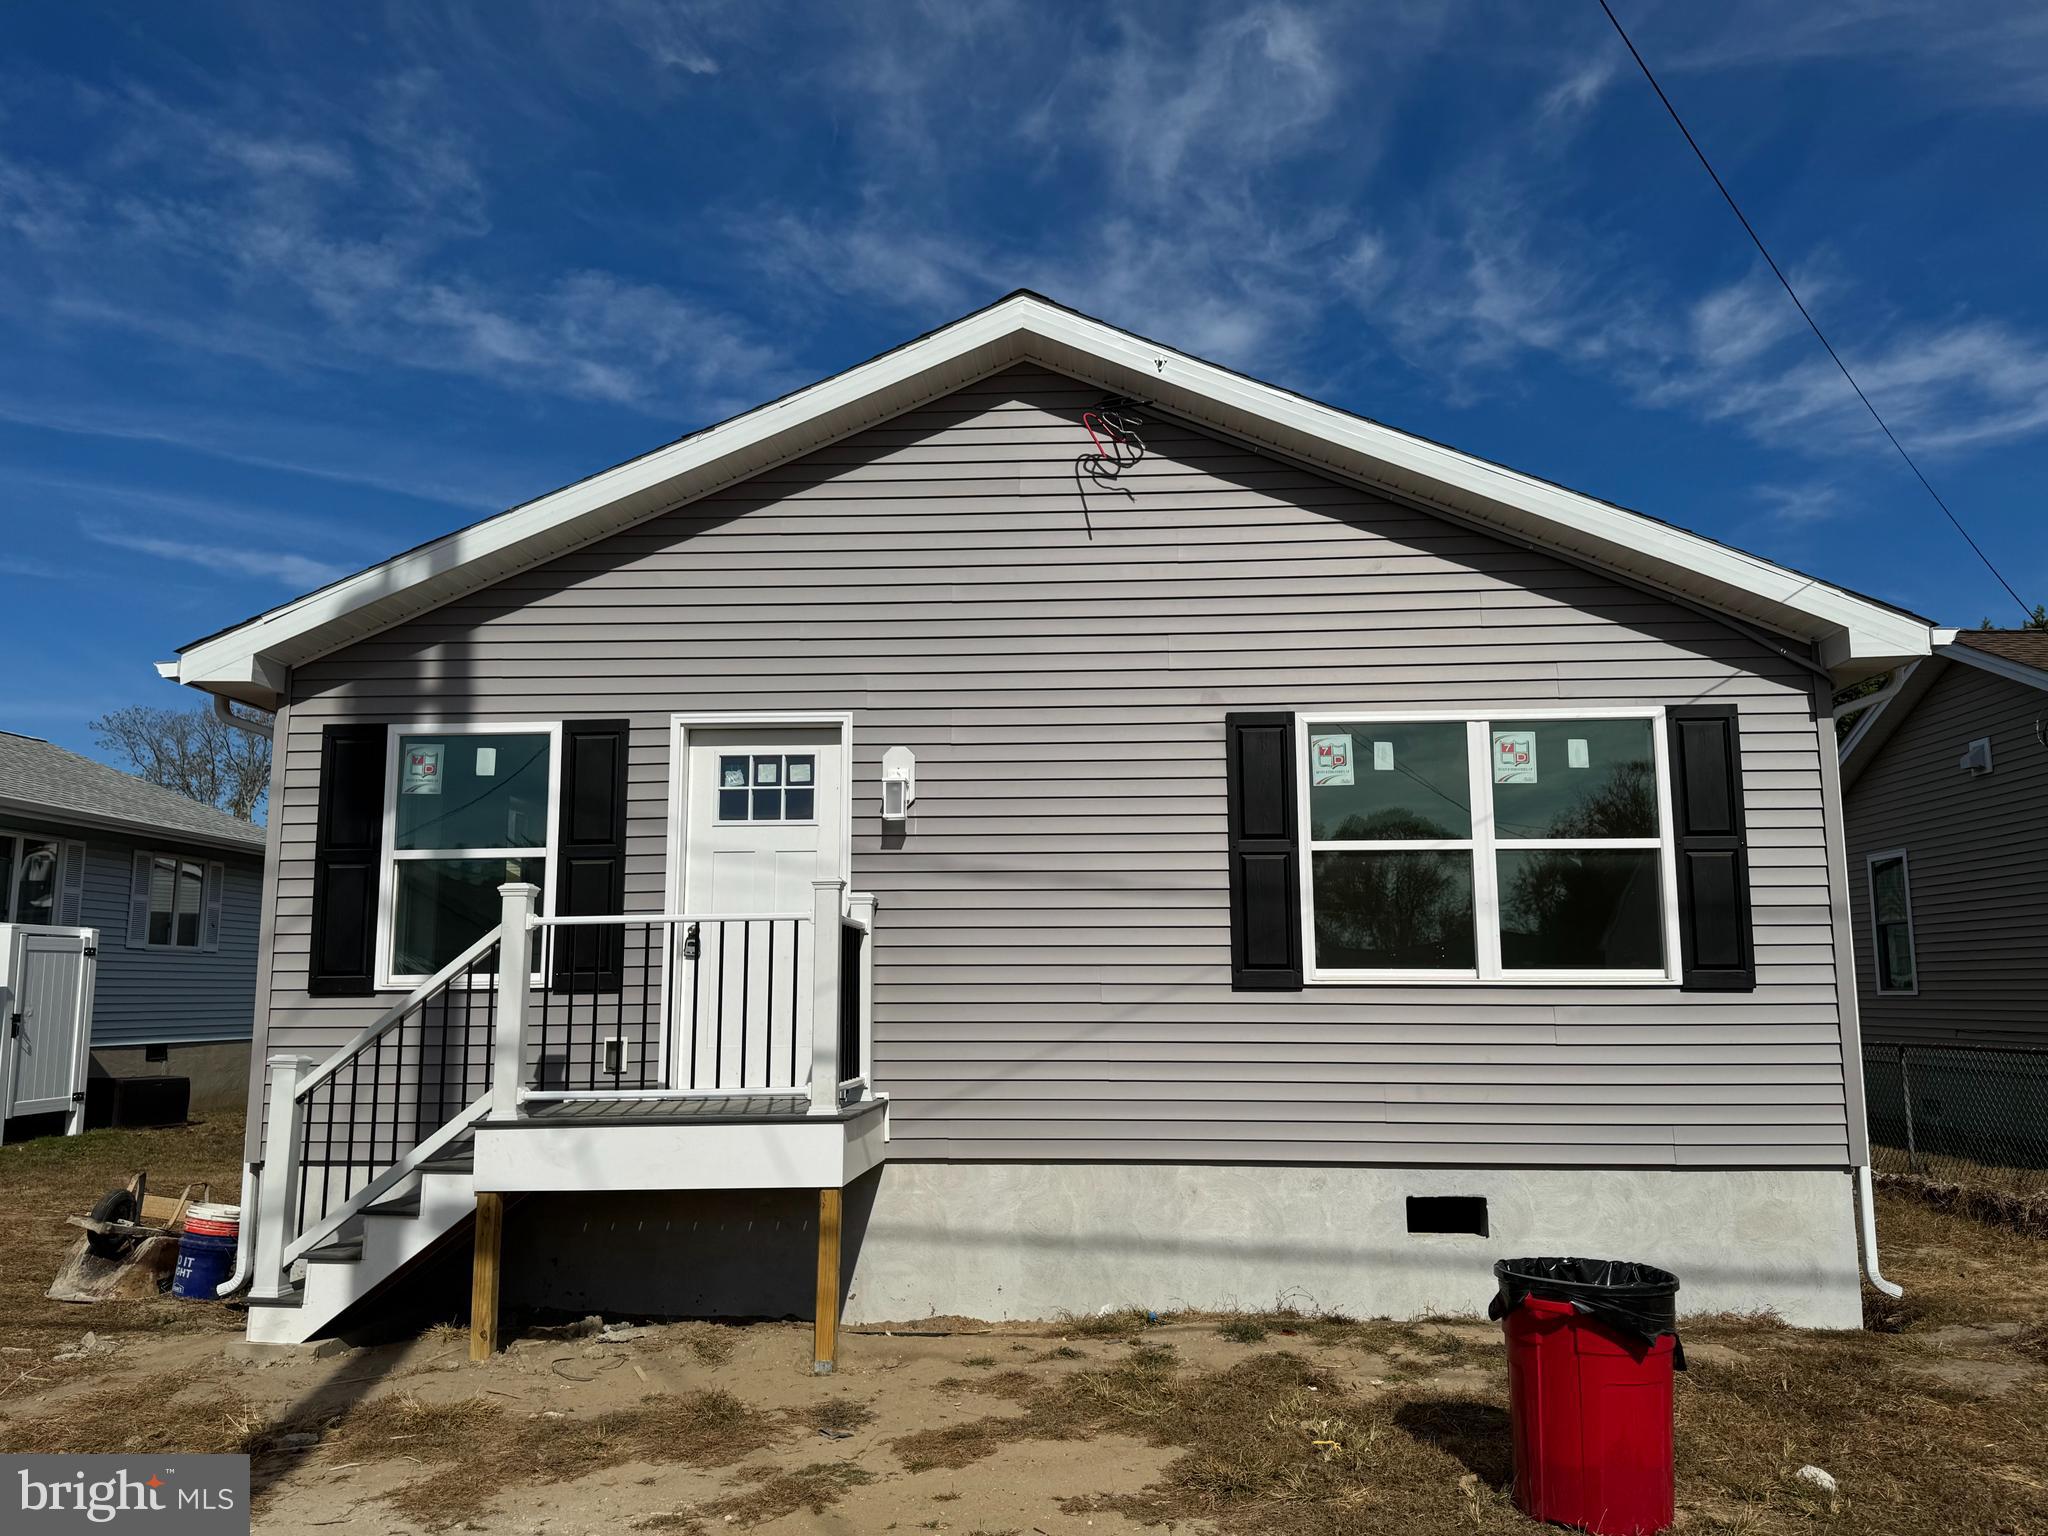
467, 809
174, 901
1891, 923
28, 878
1517, 847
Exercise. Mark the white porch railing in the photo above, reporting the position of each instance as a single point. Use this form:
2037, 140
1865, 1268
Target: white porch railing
699, 1006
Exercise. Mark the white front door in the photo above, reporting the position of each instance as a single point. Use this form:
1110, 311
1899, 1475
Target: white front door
765, 809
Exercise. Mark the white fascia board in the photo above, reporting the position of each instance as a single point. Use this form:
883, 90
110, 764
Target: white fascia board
1852, 632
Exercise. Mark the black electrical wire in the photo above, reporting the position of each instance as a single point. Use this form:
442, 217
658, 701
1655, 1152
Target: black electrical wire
1820, 335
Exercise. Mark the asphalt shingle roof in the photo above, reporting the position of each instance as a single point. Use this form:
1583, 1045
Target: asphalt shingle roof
37, 779
2028, 647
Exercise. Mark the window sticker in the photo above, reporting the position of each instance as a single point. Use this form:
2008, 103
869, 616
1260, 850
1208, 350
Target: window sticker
486, 762
1383, 757
1331, 757
1575, 753
799, 770
423, 768
732, 773
1514, 757
767, 770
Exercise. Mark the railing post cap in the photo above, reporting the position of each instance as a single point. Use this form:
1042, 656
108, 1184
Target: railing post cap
518, 888
288, 1059
834, 884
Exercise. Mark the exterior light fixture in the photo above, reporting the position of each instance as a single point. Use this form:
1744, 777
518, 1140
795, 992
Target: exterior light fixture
899, 783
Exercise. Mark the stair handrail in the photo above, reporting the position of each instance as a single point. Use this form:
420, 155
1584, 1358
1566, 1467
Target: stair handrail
372, 1032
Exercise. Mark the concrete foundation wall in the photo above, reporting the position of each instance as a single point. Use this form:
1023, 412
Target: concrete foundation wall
1031, 1240
219, 1069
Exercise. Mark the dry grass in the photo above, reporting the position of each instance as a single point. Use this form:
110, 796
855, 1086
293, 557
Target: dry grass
1117, 1323
2015, 1198
1936, 1426
708, 1343
775, 1493
51, 1177
702, 1429
159, 1413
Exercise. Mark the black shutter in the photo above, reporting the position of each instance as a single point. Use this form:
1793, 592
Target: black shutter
591, 848
343, 957
1716, 942
1265, 883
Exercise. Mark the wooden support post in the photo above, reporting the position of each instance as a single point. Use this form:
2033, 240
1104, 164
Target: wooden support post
825, 1335
483, 1287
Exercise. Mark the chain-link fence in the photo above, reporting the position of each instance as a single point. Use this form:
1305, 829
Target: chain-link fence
1960, 1114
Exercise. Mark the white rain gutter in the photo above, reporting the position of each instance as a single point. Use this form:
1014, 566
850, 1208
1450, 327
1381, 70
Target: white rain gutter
1869, 1206
225, 711
245, 1247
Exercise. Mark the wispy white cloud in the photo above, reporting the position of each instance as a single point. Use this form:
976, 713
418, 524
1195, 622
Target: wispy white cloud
293, 570
1798, 506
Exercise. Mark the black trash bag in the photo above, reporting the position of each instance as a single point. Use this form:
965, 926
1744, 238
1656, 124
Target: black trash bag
1638, 1301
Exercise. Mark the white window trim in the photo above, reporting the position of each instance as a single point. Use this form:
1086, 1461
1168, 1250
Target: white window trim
1876, 936
206, 878
1482, 846
390, 855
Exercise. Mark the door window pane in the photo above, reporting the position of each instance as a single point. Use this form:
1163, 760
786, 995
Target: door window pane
1581, 910
767, 805
799, 804
473, 791
35, 899
1394, 911
767, 770
1372, 780
163, 888
191, 888
732, 805
1572, 778
446, 905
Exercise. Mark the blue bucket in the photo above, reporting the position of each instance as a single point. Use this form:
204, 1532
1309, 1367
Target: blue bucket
204, 1263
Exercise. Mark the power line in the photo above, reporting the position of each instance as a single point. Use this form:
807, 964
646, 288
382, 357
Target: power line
1821, 336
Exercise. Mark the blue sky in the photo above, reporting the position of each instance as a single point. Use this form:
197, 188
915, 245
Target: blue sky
282, 292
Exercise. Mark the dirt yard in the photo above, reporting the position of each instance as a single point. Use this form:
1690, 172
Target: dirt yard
1934, 1421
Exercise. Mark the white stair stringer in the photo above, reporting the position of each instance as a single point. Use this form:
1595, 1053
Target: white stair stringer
372, 1249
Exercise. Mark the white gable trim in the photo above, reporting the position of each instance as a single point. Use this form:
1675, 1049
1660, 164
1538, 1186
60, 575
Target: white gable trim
1854, 635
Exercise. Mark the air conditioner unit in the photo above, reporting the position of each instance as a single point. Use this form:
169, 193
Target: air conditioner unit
1977, 756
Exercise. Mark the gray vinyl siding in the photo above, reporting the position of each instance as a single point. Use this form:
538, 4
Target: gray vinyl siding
1977, 855
156, 996
1052, 956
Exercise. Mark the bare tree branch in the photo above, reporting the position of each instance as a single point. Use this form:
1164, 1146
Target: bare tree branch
194, 752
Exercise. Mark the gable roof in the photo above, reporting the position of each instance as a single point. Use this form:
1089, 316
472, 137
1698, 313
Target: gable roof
2017, 655
1856, 635
49, 784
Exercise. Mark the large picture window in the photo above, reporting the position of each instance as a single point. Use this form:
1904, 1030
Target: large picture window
467, 809
1530, 847
1891, 923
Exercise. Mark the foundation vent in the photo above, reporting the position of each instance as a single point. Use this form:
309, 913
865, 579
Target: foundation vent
1462, 1214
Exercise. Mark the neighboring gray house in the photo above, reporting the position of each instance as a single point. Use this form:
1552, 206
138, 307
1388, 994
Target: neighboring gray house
1280, 855
174, 888
1945, 783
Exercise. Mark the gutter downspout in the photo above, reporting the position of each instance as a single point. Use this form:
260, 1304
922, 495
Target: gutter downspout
245, 1244
1865, 1200
245, 1247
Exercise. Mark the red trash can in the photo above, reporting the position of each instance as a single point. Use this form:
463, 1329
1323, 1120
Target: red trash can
1591, 1350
